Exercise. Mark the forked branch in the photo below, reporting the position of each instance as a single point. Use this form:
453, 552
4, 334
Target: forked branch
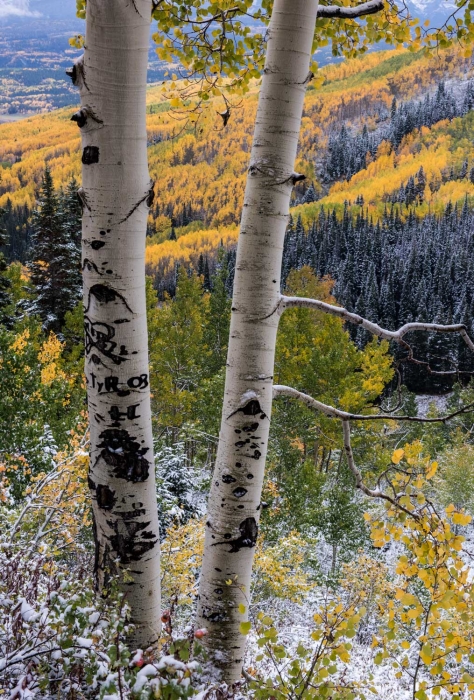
374, 328
332, 412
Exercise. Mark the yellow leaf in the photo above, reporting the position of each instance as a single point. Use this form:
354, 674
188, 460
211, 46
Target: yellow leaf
242, 608
398, 456
461, 519
245, 627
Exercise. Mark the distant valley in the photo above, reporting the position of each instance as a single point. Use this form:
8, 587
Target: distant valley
35, 52
34, 55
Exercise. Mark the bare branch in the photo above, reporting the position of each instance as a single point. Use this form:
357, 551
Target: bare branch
331, 412
346, 431
337, 12
374, 328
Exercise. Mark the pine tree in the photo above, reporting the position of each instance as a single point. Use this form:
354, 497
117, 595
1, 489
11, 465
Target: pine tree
216, 332
310, 194
54, 264
5, 284
70, 212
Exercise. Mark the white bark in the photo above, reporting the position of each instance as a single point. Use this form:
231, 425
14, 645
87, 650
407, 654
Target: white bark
338, 12
115, 194
234, 504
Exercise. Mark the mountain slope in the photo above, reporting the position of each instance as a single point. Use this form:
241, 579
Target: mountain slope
200, 175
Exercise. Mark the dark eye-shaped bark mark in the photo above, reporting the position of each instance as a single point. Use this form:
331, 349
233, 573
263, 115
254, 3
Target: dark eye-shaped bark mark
105, 294
80, 118
124, 454
251, 408
90, 155
97, 245
99, 336
105, 497
228, 479
90, 266
239, 492
147, 198
248, 536
83, 115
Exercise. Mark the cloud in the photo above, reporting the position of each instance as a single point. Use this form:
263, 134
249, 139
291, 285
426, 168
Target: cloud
16, 8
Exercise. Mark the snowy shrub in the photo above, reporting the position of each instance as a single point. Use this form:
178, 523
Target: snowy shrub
58, 640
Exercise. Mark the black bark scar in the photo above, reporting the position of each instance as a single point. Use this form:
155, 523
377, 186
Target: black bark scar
106, 498
90, 155
105, 294
122, 452
248, 536
126, 543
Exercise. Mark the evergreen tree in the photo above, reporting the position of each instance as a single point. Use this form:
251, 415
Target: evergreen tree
5, 284
70, 212
54, 255
216, 332
310, 194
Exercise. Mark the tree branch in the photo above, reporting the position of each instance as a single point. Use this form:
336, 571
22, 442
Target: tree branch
337, 12
374, 328
345, 418
346, 431
331, 412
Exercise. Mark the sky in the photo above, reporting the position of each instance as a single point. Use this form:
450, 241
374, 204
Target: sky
16, 8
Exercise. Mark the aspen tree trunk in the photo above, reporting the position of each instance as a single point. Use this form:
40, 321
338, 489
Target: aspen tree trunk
116, 194
235, 500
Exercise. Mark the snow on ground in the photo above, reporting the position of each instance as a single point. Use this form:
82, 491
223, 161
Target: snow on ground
425, 402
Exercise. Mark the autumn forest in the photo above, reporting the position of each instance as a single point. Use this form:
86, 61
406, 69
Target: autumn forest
236, 350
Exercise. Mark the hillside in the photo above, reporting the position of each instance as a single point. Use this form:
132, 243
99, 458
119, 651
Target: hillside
200, 175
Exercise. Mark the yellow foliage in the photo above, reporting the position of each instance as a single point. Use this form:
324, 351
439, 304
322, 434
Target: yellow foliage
165, 256
278, 569
51, 350
48, 356
181, 555
57, 504
433, 602
207, 168
20, 342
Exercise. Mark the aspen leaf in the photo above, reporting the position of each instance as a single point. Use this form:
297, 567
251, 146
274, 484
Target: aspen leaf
461, 519
242, 608
432, 470
398, 456
245, 627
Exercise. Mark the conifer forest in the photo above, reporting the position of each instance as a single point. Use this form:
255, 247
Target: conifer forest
237, 350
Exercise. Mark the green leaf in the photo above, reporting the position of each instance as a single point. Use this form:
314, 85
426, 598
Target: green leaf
245, 627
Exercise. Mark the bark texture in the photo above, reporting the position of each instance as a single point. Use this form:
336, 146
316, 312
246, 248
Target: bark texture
235, 499
116, 193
